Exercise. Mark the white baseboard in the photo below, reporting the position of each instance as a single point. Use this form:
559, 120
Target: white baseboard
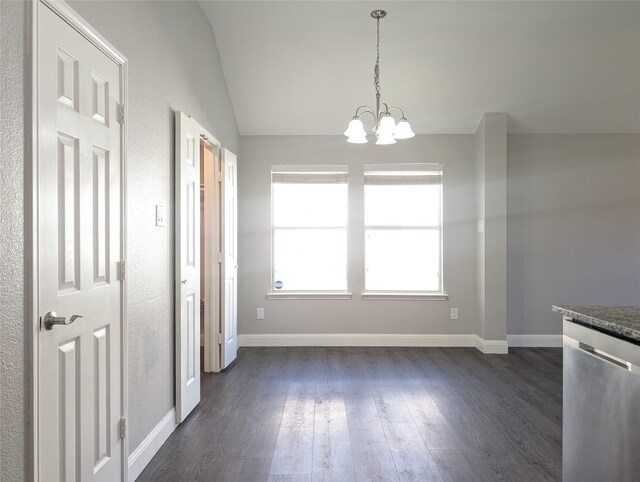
492, 347
370, 339
537, 341
354, 339
143, 454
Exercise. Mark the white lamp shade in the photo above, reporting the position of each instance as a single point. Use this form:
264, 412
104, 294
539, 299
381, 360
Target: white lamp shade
385, 140
387, 126
355, 129
403, 130
357, 140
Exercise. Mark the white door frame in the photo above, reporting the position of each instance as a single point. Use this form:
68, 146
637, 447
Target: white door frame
69, 15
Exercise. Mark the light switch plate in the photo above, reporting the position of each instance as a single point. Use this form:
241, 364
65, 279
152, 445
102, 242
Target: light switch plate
160, 216
454, 313
260, 313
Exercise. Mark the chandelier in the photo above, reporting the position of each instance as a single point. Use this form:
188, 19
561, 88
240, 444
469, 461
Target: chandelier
384, 125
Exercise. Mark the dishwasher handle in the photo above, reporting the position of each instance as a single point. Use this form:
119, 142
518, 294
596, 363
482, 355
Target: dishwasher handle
609, 358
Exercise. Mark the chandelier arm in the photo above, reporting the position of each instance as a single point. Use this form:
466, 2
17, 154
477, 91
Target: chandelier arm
396, 108
383, 112
368, 110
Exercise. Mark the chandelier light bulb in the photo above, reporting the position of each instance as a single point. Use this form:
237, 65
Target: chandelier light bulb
384, 125
403, 130
387, 126
355, 129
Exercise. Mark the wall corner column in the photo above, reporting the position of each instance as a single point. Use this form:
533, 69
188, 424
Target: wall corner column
491, 272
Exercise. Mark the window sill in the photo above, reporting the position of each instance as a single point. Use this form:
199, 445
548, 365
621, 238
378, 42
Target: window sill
403, 296
308, 295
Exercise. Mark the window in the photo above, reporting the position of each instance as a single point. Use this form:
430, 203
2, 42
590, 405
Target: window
309, 228
403, 228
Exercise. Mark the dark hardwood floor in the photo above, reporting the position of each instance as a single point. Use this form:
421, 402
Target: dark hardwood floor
383, 414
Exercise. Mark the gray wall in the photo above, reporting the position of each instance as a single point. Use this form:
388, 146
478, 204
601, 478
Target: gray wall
455, 152
574, 225
173, 65
573, 232
13, 346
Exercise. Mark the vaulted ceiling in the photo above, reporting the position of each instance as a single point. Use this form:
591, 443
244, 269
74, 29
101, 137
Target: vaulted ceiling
302, 67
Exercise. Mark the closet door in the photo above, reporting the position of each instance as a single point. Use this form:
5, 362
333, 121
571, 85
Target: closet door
187, 184
229, 335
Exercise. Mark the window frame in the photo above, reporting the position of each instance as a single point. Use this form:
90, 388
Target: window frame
389, 294
309, 294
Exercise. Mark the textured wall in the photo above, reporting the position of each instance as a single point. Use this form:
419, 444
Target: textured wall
574, 225
13, 352
173, 65
455, 152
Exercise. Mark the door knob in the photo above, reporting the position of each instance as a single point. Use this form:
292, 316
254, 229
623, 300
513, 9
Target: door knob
51, 319
184, 281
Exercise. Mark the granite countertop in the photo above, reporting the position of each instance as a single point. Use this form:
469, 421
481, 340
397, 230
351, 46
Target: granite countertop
620, 321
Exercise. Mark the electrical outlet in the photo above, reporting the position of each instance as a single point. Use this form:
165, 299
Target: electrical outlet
260, 313
454, 313
160, 216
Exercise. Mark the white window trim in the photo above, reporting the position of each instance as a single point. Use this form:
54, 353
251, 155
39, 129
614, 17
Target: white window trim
308, 295
379, 295
403, 296
409, 295
405, 166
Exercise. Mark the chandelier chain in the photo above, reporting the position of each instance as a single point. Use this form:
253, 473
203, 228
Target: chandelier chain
376, 69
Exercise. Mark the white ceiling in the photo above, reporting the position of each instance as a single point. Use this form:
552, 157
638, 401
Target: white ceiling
302, 67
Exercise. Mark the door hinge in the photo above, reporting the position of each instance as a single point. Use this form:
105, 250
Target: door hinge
123, 427
220, 339
219, 176
220, 257
121, 114
122, 270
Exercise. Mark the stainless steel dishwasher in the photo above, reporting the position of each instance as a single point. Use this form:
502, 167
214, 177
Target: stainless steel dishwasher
601, 407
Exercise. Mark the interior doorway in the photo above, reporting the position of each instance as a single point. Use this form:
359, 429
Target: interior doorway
218, 255
206, 259
210, 247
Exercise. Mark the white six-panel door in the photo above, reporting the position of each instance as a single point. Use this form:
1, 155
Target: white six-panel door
187, 184
79, 246
229, 335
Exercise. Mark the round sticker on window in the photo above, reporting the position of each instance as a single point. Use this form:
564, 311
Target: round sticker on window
278, 285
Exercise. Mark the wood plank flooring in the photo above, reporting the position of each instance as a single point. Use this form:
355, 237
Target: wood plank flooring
372, 414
